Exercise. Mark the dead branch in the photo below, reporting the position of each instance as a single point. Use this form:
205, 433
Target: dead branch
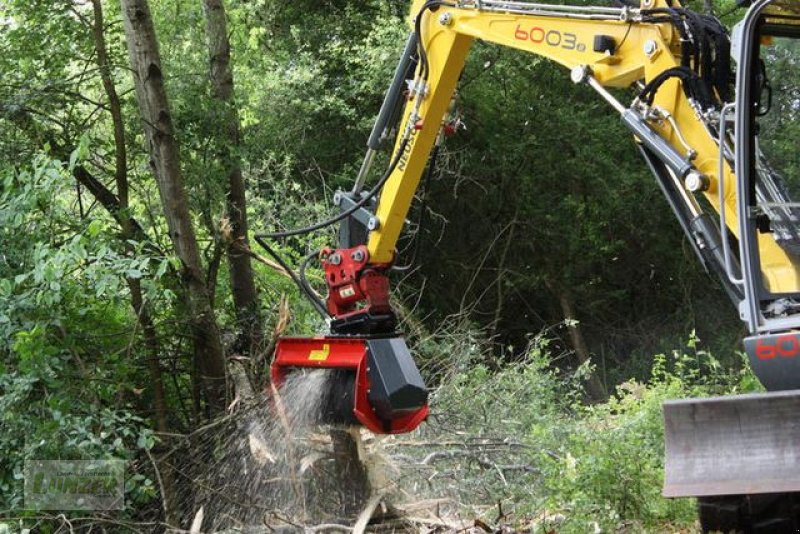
241, 247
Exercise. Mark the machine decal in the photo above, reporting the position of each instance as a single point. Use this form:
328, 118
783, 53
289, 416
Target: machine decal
320, 355
554, 38
775, 359
785, 346
403, 161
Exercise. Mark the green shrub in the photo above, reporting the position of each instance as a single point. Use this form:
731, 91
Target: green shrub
596, 467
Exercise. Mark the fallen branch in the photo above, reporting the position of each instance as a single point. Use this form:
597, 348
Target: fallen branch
328, 527
366, 515
157, 471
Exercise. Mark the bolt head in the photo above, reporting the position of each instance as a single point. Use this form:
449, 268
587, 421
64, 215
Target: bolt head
578, 74
650, 47
337, 199
373, 223
357, 255
696, 182
445, 19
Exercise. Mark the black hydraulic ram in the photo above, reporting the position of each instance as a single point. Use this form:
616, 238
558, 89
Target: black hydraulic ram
393, 103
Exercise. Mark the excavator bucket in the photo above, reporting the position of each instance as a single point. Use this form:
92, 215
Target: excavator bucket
736, 445
376, 382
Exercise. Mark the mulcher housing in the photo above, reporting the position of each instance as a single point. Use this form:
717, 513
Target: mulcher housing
388, 397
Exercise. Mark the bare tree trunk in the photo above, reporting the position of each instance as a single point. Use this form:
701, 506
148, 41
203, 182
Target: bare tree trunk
120, 151
594, 386
349, 468
243, 287
165, 162
121, 177
501, 273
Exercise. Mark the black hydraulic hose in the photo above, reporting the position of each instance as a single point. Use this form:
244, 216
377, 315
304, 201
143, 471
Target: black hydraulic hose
319, 306
348, 212
302, 275
421, 217
423, 56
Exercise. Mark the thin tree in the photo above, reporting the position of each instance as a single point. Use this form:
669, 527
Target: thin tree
165, 163
243, 287
129, 234
141, 308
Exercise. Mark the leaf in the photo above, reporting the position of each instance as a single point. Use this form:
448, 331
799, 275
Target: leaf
162, 268
5, 287
145, 441
73, 159
94, 229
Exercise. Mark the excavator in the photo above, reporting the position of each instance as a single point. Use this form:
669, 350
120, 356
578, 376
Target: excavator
712, 113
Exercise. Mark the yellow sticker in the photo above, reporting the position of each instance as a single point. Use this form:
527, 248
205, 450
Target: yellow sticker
320, 355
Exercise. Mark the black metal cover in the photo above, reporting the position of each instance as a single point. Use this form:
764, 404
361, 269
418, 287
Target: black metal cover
396, 387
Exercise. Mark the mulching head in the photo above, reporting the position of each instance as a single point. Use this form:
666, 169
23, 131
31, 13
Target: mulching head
376, 382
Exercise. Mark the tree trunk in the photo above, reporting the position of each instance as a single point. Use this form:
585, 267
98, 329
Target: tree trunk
120, 151
131, 231
594, 386
245, 297
349, 467
165, 162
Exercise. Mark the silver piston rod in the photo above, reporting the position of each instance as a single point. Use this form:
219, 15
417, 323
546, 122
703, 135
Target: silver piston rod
390, 109
703, 233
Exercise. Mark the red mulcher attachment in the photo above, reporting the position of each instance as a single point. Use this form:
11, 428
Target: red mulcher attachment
376, 383
389, 395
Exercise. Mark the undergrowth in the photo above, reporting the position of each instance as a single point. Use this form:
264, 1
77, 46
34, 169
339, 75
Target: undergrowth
535, 454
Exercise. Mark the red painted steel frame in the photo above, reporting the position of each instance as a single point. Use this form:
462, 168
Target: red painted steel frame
355, 286
341, 353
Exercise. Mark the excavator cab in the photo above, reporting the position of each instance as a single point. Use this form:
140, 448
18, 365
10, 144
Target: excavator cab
767, 133
740, 454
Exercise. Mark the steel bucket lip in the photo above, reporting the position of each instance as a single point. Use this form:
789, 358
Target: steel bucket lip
702, 458
739, 397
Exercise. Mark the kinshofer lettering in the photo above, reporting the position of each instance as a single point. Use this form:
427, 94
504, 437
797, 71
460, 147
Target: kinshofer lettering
98, 484
403, 161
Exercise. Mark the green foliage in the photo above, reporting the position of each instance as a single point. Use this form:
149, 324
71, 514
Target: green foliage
610, 469
67, 375
597, 466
